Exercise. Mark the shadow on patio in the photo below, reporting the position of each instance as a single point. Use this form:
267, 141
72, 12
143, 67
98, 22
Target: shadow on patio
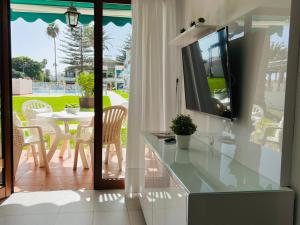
62, 176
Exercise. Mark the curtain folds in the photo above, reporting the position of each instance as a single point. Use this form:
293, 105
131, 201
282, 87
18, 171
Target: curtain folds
154, 70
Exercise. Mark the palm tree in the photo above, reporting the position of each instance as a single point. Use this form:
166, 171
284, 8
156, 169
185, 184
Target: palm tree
278, 51
53, 31
123, 51
105, 40
44, 63
89, 34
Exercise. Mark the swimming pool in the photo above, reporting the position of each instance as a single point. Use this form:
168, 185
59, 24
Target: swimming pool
55, 91
53, 88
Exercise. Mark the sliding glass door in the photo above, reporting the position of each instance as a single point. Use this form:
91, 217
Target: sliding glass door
5, 119
113, 120
100, 181
113, 37
53, 88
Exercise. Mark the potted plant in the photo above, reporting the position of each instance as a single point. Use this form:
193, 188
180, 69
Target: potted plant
86, 83
183, 127
72, 108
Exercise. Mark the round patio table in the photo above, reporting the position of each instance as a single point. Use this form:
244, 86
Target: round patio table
52, 118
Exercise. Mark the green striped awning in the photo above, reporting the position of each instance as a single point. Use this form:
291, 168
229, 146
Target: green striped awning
51, 10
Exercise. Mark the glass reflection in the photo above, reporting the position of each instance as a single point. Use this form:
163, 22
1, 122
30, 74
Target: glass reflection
268, 105
259, 43
213, 49
206, 75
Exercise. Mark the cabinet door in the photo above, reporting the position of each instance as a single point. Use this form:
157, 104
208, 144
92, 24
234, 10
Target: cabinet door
161, 182
176, 204
146, 195
169, 198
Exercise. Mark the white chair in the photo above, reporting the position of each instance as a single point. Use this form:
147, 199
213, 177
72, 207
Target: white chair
85, 135
276, 137
257, 114
20, 141
33, 107
113, 118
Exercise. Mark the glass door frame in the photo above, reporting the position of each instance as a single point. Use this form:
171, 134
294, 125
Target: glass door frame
6, 100
6, 97
99, 182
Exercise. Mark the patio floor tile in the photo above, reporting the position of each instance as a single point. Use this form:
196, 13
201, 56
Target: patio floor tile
62, 176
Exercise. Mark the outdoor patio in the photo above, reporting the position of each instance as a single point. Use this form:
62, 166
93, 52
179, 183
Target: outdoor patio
62, 176
31, 177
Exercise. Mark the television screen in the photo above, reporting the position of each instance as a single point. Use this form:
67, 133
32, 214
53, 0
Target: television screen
206, 75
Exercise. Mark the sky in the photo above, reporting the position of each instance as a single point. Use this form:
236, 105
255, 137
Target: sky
207, 41
30, 39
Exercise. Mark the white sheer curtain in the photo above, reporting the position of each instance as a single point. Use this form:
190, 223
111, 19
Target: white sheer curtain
154, 71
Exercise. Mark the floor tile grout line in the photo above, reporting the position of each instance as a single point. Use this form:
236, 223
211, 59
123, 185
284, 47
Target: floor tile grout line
56, 220
129, 219
93, 218
127, 209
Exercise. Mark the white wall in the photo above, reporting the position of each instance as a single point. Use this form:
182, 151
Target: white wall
255, 18
21, 86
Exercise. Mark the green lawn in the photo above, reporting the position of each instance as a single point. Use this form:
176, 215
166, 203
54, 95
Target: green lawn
124, 130
216, 84
122, 93
57, 103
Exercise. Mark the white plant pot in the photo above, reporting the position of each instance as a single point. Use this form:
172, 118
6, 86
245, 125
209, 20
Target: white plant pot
72, 110
182, 156
183, 141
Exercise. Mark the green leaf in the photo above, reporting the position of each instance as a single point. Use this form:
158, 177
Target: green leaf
183, 125
86, 82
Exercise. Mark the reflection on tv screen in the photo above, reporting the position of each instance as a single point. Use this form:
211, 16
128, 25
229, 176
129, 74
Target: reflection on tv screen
206, 78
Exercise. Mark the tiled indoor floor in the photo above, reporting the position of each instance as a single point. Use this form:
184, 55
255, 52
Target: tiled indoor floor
66, 207
32, 178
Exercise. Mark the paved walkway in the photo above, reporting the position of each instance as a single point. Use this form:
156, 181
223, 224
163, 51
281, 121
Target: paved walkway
116, 99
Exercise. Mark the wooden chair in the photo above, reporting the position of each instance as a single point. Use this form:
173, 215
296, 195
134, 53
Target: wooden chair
113, 118
20, 141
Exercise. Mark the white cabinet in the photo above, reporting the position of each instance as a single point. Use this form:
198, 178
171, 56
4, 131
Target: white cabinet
195, 187
163, 199
169, 198
146, 193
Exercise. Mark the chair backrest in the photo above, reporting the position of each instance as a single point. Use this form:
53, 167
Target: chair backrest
18, 135
257, 112
33, 107
18, 141
279, 132
113, 118
86, 133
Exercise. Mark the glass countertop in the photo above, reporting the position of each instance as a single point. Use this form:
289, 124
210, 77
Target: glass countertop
203, 169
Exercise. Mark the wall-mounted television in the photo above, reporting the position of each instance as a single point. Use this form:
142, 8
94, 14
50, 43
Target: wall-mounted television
207, 79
